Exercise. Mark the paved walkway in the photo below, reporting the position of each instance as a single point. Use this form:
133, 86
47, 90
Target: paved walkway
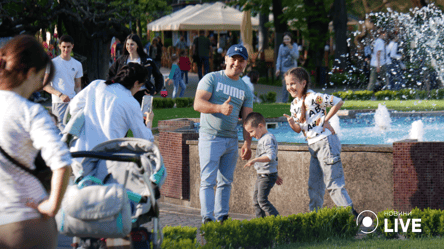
176, 215
170, 215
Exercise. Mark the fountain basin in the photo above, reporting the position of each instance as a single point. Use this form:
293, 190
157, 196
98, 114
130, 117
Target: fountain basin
361, 128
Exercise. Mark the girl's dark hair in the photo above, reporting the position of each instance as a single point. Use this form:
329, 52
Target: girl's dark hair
18, 56
289, 35
137, 40
129, 74
301, 74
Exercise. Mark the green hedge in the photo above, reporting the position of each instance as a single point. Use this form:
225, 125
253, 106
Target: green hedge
404, 94
432, 223
269, 82
159, 103
269, 97
266, 232
179, 237
270, 231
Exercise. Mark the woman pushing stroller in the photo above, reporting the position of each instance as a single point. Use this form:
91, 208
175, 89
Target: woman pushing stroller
107, 110
110, 109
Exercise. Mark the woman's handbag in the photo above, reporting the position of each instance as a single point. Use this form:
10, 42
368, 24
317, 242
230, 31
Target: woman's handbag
97, 211
164, 92
42, 172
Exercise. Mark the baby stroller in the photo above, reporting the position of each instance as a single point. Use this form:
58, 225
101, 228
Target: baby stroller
136, 164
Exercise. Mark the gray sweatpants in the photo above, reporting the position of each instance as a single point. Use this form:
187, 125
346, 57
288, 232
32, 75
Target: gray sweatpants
59, 110
326, 172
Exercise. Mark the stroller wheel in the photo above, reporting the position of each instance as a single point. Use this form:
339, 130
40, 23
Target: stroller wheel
90, 243
140, 238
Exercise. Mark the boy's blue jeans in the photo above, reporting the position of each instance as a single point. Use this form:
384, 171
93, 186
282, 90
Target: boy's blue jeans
218, 157
264, 183
182, 85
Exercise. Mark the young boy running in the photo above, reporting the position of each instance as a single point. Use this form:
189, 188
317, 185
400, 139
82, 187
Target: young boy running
265, 163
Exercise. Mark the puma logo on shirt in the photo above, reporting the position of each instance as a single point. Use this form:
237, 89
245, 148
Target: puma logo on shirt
231, 91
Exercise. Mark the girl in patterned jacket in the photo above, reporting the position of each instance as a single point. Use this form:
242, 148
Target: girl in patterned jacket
309, 115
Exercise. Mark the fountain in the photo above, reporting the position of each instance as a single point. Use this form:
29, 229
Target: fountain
335, 123
417, 131
420, 42
382, 118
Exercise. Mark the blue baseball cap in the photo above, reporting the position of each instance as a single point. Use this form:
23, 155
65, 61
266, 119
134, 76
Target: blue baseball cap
238, 50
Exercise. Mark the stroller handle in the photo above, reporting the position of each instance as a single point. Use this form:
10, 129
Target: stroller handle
121, 157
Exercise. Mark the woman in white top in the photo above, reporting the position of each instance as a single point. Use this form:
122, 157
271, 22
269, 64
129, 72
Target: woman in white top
110, 109
26, 212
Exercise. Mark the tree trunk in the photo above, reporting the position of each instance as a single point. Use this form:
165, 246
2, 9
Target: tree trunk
340, 28
139, 28
317, 26
280, 26
95, 52
263, 32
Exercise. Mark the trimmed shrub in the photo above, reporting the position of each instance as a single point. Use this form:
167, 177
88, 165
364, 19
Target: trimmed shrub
181, 102
269, 97
179, 237
271, 231
362, 95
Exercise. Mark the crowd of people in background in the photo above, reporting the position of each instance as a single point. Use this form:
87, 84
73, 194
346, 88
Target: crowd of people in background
386, 64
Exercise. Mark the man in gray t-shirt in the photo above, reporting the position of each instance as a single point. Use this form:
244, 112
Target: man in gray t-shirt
220, 97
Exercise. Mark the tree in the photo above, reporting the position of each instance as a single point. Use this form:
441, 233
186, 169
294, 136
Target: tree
147, 10
92, 24
25, 17
339, 15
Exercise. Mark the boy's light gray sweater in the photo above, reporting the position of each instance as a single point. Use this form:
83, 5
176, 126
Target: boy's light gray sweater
267, 145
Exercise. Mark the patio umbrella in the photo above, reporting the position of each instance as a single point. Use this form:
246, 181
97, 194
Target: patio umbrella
247, 32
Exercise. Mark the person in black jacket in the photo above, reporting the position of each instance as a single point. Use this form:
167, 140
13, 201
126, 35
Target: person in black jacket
133, 52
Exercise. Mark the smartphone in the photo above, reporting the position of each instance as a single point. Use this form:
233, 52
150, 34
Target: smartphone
147, 104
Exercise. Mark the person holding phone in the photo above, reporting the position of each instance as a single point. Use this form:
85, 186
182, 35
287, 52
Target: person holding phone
286, 60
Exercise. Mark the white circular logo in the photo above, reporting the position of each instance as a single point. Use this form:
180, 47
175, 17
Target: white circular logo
367, 220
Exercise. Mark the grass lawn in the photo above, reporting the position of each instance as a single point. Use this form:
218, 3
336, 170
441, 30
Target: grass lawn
370, 243
277, 109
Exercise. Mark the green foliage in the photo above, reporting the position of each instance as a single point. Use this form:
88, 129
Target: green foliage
269, 82
271, 231
404, 94
160, 103
179, 237
269, 97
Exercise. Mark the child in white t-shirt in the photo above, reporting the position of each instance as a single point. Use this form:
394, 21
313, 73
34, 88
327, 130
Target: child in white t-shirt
309, 115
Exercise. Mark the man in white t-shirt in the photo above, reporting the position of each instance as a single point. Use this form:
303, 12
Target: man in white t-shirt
378, 63
67, 79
